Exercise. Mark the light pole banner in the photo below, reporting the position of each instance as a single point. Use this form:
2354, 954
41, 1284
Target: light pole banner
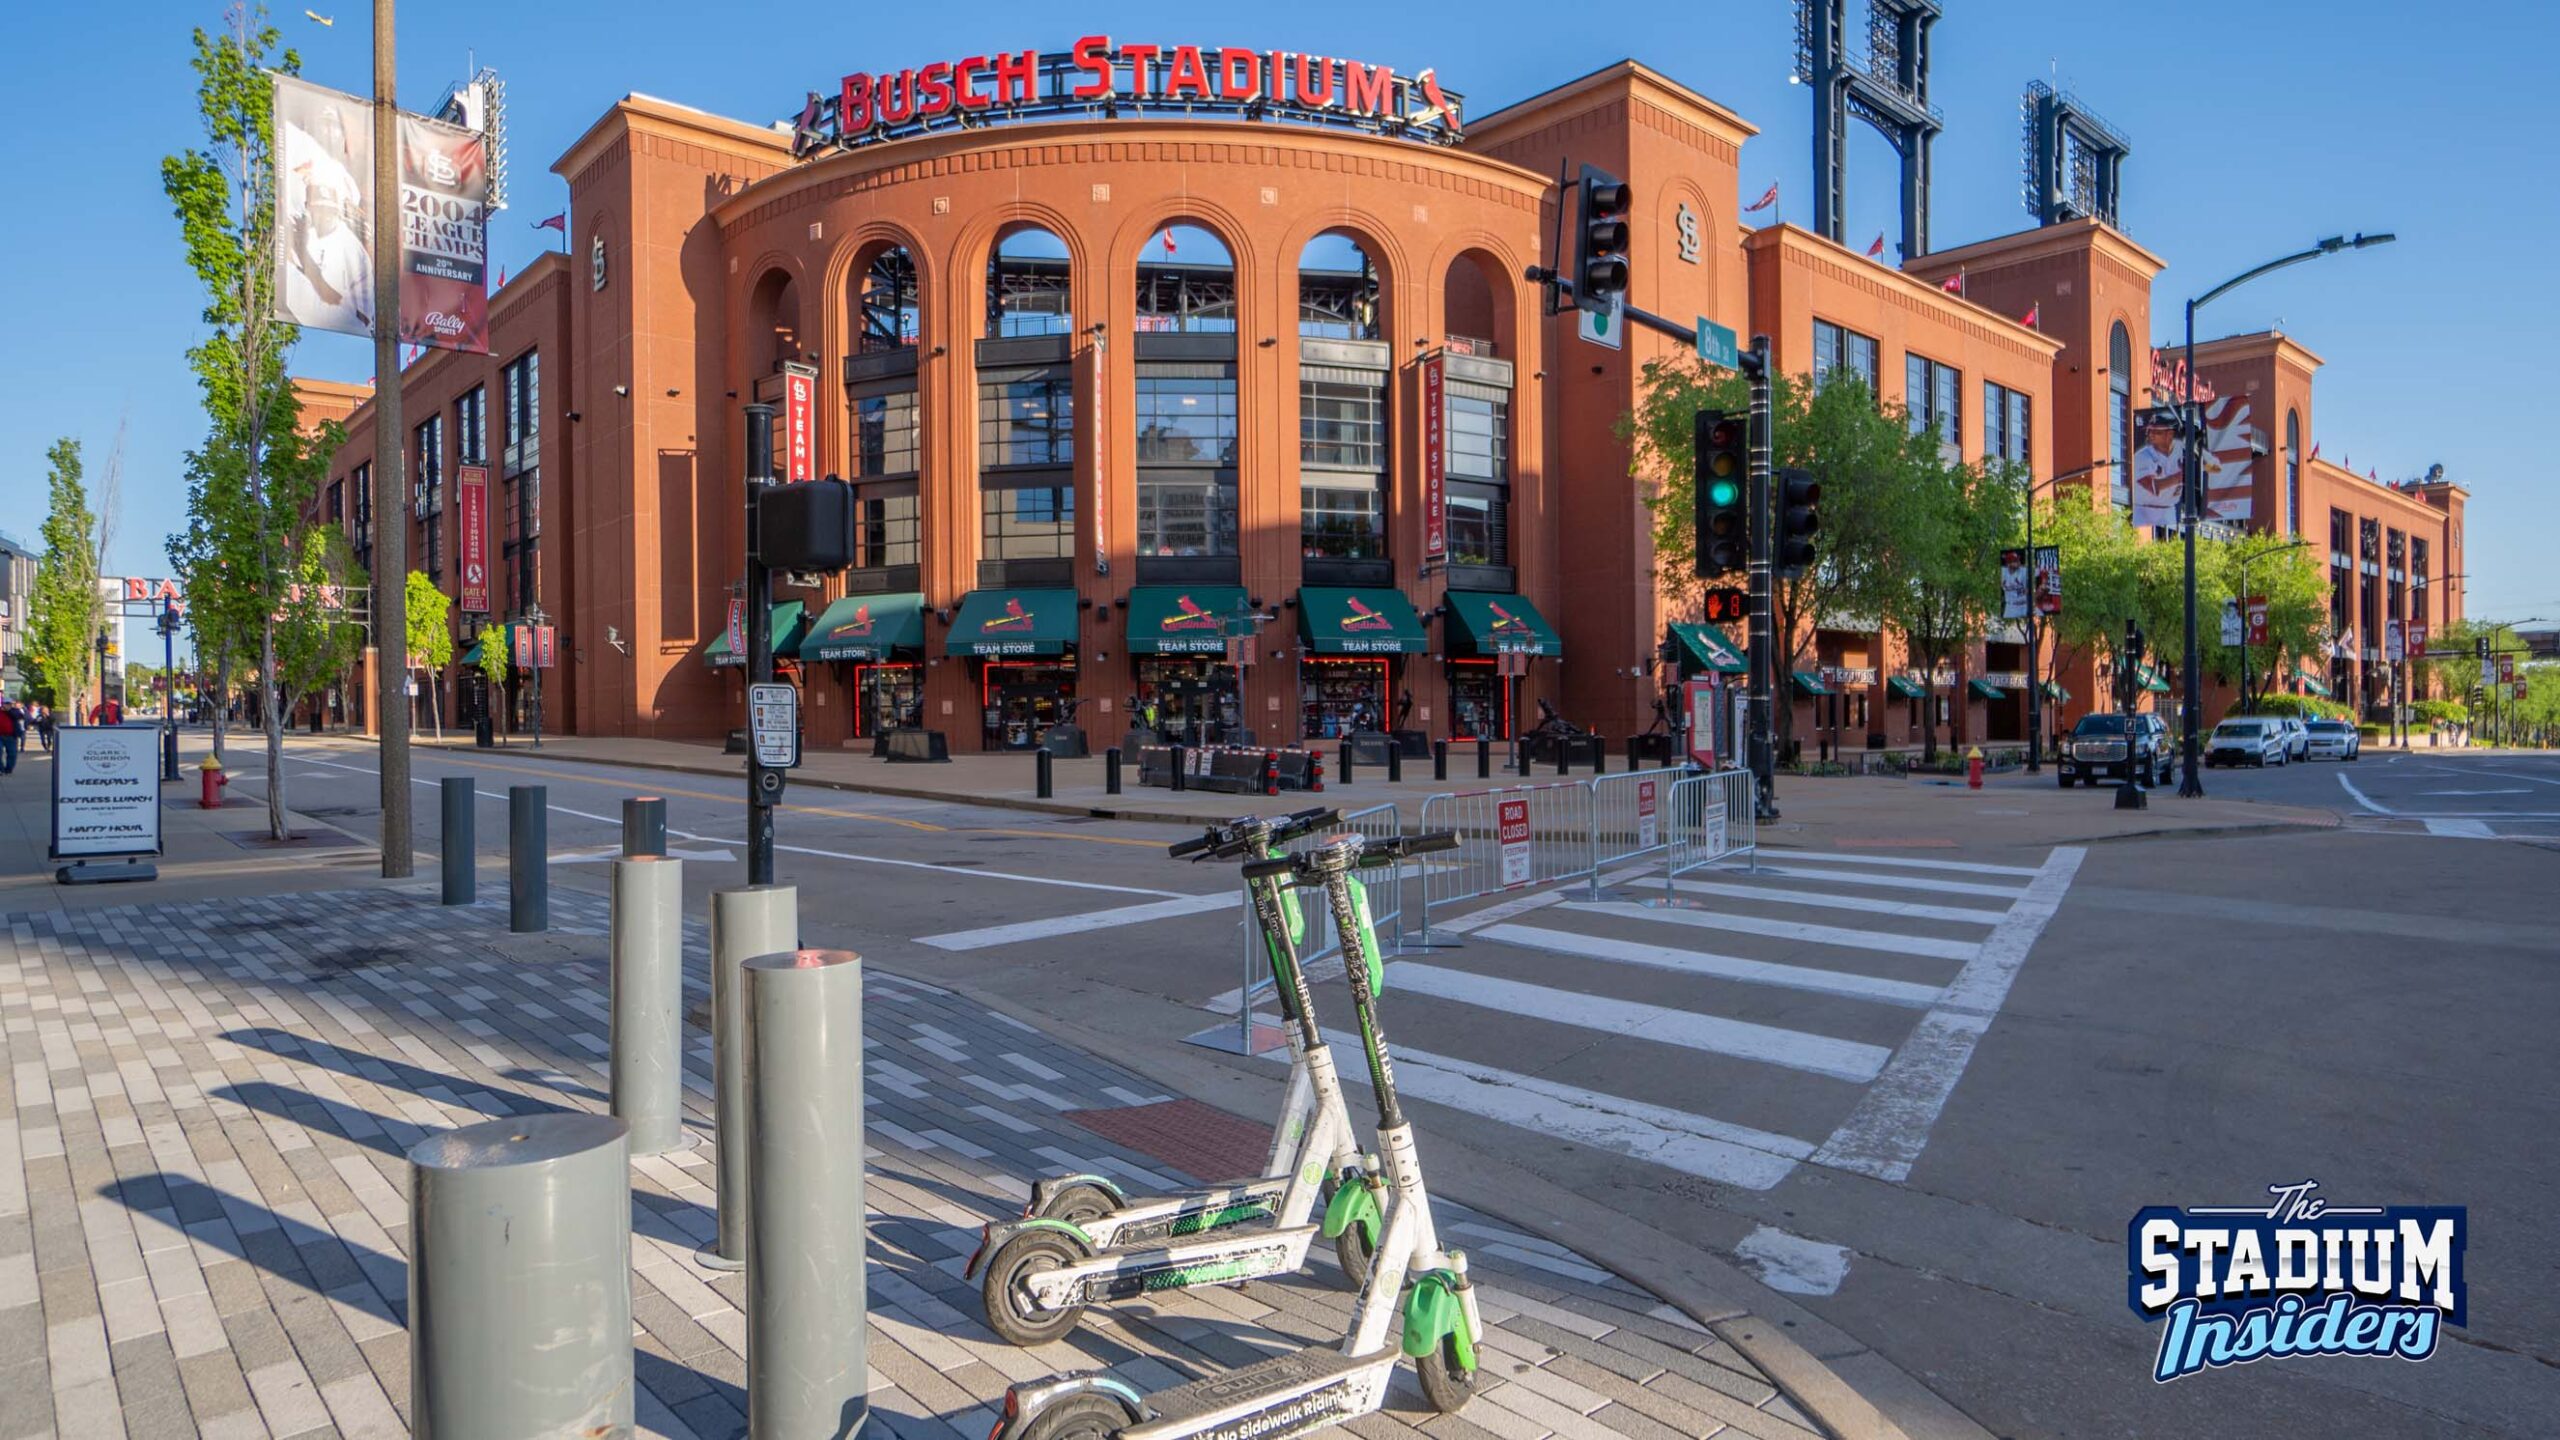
2159, 482
2013, 584
444, 242
324, 208
2048, 579
471, 492
2230, 622
2230, 460
2257, 612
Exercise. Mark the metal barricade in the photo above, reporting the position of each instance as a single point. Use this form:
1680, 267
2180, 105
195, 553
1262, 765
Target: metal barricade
1628, 817
1514, 838
1320, 951
1708, 818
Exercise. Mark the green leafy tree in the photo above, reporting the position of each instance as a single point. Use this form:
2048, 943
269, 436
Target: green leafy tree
249, 483
430, 638
315, 639
64, 610
2295, 585
497, 666
1838, 432
1937, 568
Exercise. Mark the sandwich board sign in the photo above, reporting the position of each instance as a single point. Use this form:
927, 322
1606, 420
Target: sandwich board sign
106, 802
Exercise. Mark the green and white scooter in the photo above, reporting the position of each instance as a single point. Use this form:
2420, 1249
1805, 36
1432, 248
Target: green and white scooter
1082, 1238
1309, 1390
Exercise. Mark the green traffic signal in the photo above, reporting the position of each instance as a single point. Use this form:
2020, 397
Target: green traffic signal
1723, 492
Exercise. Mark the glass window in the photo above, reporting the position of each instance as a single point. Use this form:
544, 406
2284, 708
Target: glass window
520, 406
884, 427
471, 426
1931, 394
885, 529
337, 500
1342, 426
1479, 437
1835, 348
1342, 517
2006, 416
1186, 515
1479, 527
1186, 420
427, 494
1026, 422
2120, 416
1037, 523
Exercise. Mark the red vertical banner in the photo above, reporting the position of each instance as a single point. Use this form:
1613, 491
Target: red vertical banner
545, 646
523, 636
1435, 459
799, 425
471, 492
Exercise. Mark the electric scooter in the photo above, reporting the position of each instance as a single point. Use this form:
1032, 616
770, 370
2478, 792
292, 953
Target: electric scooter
1309, 1390
1082, 1238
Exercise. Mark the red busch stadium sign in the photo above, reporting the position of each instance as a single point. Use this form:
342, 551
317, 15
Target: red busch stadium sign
1099, 77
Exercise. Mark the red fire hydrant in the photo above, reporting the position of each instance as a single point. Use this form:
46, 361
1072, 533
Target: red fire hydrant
1973, 768
214, 780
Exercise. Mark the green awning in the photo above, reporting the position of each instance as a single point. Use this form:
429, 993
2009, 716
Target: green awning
1337, 620
1810, 684
789, 624
868, 627
1185, 619
2149, 679
1987, 690
2053, 691
1903, 687
1710, 650
470, 655
2314, 687
1013, 622
1491, 622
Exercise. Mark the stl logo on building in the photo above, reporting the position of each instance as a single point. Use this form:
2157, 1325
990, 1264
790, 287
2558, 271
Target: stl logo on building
1189, 616
2297, 1276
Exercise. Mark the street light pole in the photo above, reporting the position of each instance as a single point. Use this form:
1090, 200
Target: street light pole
2035, 632
2191, 502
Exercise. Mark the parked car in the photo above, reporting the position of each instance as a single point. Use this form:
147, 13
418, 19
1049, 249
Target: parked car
2297, 738
2247, 742
2106, 746
2335, 740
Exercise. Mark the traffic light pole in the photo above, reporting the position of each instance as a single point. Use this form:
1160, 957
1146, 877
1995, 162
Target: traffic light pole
764, 785
1764, 524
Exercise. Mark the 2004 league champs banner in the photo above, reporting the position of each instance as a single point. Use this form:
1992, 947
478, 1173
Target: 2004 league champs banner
106, 791
324, 221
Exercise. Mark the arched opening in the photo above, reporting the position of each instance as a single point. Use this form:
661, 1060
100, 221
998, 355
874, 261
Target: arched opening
1186, 283
773, 323
2293, 472
880, 393
1337, 290
1029, 288
1478, 407
2120, 416
888, 309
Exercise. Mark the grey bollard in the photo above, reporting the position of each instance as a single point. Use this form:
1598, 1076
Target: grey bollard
807, 1308
747, 921
648, 1001
528, 860
520, 1279
461, 851
644, 826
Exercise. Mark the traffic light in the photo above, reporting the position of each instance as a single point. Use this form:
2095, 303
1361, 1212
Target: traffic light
1798, 495
1723, 476
1600, 241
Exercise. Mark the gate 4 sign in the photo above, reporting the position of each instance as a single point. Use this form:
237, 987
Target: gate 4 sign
1648, 814
1511, 829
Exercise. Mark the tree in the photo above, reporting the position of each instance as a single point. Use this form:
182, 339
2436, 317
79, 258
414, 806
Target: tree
315, 640
65, 611
1851, 444
496, 666
250, 481
1937, 566
2294, 583
430, 637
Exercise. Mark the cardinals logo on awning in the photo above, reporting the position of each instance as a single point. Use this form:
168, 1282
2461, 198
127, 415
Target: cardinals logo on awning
1189, 616
1364, 618
855, 628
1013, 618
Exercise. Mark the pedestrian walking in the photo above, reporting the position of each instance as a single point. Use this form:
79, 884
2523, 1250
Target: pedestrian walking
13, 729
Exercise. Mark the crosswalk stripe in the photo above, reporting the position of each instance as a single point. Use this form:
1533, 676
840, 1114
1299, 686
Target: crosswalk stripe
1768, 1044
1841, 857
1699, 1145
1971, 915
1892, 882
1722, 967
2473, 829
994, 935
1884, 940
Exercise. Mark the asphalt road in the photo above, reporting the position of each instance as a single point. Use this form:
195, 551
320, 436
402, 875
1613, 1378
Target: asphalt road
1921, 1091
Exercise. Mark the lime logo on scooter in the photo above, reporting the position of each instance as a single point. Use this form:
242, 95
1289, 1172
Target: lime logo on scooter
1250, 1265
1368, 937
1228, 1215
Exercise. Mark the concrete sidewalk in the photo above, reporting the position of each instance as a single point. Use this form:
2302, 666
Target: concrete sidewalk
1831, 812
206, 1107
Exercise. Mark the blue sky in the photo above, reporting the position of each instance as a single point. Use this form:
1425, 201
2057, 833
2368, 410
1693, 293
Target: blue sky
2293, 120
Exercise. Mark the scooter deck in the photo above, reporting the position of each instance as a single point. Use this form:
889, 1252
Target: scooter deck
1282, 1396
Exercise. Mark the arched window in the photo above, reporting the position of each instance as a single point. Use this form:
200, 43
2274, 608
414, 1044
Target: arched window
1478, 409
1337, 290
773, 323
1028, 287
1342, 415
1186, 407
2292, 472
888, 311
1186, 282
2120, 415
880, 391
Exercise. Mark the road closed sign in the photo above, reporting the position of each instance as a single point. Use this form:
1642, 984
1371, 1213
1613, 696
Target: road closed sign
106, 791
1648, 814
1511, 829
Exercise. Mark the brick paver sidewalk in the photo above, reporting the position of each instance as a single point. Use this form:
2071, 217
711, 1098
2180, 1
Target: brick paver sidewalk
203, 1229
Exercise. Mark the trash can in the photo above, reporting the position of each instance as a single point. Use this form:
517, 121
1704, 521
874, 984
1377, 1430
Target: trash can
484, 732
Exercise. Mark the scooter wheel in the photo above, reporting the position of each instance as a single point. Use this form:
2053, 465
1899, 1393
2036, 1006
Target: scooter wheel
1079, 1203
1356, 1253
1445, 1383
1006, 1293
1075, 1417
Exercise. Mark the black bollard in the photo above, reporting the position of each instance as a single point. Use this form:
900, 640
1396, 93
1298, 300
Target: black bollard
457, 843
1395, 761
1040, 776
1484, 757
1564, 755
528, 860
1599, 755
1181, 767
1439, 759
1632, 762
1520, 756
1111, 771
1344, 762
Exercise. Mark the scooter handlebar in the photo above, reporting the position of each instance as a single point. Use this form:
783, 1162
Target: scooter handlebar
1219, 841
